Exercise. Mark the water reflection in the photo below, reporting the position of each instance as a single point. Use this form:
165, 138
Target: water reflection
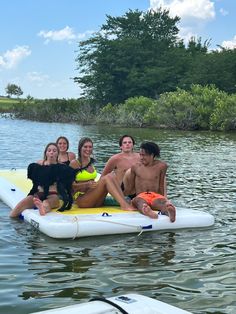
72, 270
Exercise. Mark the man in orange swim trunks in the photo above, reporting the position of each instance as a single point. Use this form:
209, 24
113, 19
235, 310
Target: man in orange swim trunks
150, 200
147, 178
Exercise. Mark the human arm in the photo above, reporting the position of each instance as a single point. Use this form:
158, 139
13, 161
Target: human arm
83, 186
165, 187
168, 202
109, 167
162, 180
71, 156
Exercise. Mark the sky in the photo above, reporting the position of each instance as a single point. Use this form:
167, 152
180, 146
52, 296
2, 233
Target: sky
39, 38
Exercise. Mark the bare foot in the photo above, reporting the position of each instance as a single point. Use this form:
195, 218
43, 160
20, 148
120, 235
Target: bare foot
147, 211
171, 212
127, 206
38, 203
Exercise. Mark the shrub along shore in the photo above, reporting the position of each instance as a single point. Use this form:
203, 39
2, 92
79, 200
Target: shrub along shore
200, 108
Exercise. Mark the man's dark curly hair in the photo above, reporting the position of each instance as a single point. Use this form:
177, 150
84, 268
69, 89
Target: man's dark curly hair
151, 148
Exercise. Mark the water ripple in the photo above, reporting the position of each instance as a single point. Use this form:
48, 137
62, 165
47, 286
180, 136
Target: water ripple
192, 269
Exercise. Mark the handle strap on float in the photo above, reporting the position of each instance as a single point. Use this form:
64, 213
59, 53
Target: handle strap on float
111, 303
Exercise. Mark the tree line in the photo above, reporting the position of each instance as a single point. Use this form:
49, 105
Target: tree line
199, 108
141, 54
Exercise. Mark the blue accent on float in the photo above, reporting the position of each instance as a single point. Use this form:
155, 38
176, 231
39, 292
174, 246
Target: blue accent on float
13, 190
147, 227
105, 215
21, 217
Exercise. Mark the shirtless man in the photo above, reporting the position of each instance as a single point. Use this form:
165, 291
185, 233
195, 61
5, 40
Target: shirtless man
121, 162
148, 180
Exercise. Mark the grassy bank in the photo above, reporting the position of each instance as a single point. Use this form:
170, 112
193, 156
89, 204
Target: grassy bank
8, 104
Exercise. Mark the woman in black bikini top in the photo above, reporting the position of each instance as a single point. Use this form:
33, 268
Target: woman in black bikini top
64, 157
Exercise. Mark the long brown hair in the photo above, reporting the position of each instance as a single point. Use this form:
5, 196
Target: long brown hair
63, 138
82, 141
46, 148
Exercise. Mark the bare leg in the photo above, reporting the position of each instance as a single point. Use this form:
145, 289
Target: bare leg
115, 190
95, 197
27, 202
45, 207
144, 208
165, 207
128, 186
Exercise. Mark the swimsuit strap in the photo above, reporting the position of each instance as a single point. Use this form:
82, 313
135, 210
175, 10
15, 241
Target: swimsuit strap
85, 167
65, 161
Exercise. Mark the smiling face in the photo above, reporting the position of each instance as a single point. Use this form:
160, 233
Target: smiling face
62, 144
86, 149
146, 159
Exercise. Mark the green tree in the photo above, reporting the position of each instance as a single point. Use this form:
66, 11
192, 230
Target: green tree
216, 67
128, 57
13, 89
224, 116
188, 110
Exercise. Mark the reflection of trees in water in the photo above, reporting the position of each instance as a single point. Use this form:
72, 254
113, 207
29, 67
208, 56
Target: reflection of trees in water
163, 252
58, 269
85, 268
168, 251
76, 293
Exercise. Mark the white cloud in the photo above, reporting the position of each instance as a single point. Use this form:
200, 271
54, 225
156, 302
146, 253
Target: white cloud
229, 44
223, 12
65, 34
186, 33
187, 9
11, 58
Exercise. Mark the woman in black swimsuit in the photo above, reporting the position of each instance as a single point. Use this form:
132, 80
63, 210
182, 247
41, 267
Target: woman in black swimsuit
64, 157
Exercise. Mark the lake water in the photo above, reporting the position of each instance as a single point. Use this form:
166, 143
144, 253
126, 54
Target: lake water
192, 269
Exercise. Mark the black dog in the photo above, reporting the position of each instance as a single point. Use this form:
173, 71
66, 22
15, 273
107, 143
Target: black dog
45, 176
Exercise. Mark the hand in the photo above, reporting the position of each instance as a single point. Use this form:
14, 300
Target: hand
91, 184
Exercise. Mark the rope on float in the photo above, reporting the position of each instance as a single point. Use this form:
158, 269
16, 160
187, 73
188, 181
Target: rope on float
138, 228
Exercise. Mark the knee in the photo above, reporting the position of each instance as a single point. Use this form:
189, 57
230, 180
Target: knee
107, 178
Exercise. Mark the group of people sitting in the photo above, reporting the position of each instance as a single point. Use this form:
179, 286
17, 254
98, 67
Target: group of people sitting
137, 181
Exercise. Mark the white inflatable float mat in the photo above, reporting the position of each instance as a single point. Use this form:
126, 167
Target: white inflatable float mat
83, 222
